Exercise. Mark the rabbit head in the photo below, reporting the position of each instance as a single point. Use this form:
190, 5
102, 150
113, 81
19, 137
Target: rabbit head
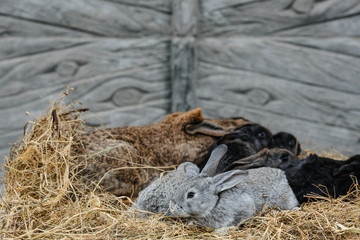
258, 135
198, 197
275, 157
287, 141
157, 195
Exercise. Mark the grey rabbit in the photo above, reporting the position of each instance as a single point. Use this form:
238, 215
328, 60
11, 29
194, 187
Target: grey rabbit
157, 195
229, 198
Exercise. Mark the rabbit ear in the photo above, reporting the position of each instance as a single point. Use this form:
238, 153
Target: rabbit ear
190, 169
214, 159
229, 137
229, 179
257, 160
207, 128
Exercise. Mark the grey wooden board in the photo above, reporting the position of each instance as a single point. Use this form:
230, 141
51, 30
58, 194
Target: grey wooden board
88, 17
280, 17
78, 60
15, 27
183, 54
294, 59
183, 74
304, 87
184, 18
120, 80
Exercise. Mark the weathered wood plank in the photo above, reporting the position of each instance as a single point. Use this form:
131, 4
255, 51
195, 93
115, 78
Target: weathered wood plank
122, 81
280, 17
13, 27
183, 74
295, 99
14, 47
91, 17
159, 5
183, 54
87, 58
321, 114
184, 20
104, 59
288, 58
129, 98
316, 136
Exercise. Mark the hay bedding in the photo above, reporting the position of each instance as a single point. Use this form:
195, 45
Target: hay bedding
44, 198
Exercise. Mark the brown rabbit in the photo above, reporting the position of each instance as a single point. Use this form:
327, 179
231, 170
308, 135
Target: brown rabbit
124, 160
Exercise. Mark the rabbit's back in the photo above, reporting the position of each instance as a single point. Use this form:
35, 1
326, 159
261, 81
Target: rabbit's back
262, 187
268, 186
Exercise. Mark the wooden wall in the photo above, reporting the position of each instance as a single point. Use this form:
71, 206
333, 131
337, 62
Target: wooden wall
288, 64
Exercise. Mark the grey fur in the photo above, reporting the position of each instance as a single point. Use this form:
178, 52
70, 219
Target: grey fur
214, 159
231, 197
156, 197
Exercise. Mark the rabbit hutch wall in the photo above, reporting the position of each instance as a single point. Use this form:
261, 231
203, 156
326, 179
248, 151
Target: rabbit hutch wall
289, 65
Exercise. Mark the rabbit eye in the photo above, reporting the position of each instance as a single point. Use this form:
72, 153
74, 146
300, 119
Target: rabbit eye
261, 134
284, 157
292, 143
190, 195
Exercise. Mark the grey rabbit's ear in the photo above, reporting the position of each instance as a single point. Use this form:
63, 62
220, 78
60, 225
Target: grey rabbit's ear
190, 169
214, 159
207, 128
229, 179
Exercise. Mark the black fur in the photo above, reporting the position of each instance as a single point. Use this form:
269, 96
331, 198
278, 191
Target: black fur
255, 134
305, 176
243, 142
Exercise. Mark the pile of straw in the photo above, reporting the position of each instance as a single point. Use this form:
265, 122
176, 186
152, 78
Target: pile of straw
45, 199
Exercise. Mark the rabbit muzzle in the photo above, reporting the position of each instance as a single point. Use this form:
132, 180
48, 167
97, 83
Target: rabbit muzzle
177, 210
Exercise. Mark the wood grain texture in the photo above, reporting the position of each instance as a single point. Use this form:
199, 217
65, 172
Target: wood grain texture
183, 54
16, 27
120, 80
85, 17
280, 17
183, 74
158, 5
297, 59
294, 84
184, 20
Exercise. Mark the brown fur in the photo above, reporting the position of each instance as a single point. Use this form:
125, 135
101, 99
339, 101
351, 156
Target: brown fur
180, 137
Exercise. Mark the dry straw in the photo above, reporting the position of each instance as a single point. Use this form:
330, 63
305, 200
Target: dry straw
44, 198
